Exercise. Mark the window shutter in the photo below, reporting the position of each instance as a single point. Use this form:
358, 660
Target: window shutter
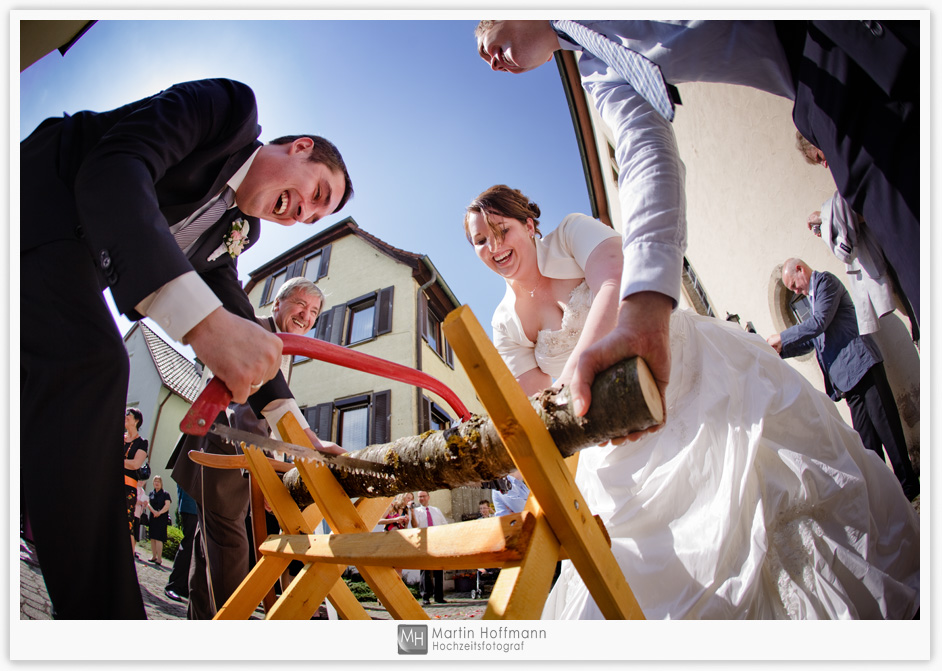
294, 270
384, 311
321, 417
322, 327
425, 415
423, 317
381, 417
325, 262
264, 299
337, 314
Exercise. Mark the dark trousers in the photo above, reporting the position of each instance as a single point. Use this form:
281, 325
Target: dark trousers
180, 575
868, 132
876, 419
431, 585
220, 554
74, 368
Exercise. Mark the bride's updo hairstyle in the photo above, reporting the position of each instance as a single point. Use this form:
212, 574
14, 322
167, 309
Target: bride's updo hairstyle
504, 202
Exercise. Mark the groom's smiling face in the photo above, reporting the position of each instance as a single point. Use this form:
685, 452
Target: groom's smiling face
284, 186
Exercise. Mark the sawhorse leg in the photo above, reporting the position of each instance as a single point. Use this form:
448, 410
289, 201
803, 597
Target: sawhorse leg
536, 457
343, 517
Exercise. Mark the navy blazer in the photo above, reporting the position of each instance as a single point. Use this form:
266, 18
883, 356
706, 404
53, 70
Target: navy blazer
843, 354
118, 180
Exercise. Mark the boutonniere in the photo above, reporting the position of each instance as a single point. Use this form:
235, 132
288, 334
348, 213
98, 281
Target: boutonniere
234, 242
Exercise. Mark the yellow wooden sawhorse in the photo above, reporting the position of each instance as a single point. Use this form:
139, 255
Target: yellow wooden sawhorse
555, 523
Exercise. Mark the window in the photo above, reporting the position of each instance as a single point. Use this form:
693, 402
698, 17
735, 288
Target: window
353, 427
432, 331
361, 420
313, 267
434, 417
361, 322
800, 307
695, 291
362, 319
439, 420
273, 285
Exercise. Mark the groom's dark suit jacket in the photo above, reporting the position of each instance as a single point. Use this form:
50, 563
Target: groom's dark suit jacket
119, 179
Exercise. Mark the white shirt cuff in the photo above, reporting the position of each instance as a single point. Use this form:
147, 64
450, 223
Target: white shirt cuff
276, 410
180, 304
652, 266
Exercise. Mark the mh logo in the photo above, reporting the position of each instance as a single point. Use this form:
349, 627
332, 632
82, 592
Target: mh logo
413, 639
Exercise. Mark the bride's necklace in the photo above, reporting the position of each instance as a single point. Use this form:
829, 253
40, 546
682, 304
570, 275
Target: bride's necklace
532, 291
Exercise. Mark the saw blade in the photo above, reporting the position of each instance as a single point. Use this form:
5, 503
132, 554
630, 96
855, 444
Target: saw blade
350, 464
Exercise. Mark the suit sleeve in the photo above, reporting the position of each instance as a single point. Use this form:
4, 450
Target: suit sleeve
500, 506
798, 339
650, 190
115, 187
838, 228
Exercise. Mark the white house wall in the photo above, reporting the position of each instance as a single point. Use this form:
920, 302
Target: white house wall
357, 268
144, 385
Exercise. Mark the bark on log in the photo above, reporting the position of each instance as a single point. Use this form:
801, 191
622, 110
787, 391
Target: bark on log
624, 400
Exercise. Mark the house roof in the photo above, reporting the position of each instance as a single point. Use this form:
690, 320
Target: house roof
422, 268
178, 373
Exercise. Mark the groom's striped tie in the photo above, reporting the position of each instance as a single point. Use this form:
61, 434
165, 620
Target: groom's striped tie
189, 233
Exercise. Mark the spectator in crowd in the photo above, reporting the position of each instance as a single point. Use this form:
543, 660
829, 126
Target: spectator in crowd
852, 365
431, 583
135, 452
159, 509
177, 588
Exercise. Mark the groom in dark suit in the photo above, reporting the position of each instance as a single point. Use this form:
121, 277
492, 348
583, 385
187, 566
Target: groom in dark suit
852, 364
154, 200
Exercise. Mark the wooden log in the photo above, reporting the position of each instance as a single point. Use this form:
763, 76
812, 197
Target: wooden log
624, 400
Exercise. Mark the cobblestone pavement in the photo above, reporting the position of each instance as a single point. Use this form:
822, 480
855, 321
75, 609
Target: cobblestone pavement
35, 605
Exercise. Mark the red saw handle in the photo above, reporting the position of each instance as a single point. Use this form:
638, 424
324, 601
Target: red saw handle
216, 397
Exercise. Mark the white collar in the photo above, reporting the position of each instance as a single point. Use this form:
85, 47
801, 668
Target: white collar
236, 180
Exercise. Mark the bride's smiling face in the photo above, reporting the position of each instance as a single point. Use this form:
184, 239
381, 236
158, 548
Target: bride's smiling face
506, 247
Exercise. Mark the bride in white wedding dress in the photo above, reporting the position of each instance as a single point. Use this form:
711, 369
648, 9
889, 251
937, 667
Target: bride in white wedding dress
754, 500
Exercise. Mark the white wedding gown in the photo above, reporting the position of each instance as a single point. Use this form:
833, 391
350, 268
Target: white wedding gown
754, 500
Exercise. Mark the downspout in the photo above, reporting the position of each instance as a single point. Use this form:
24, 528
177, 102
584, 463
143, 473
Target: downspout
418, 340
160, 409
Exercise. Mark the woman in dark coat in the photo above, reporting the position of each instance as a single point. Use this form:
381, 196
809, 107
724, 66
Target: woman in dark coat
159, 519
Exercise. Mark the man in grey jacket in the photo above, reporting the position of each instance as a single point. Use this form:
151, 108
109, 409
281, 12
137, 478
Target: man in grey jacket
851, 363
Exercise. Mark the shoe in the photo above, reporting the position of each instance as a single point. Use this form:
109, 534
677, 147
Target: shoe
426, 602
172, 595
440, 601
154, 561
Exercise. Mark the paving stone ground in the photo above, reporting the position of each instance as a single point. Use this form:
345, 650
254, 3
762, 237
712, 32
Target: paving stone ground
35, 605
